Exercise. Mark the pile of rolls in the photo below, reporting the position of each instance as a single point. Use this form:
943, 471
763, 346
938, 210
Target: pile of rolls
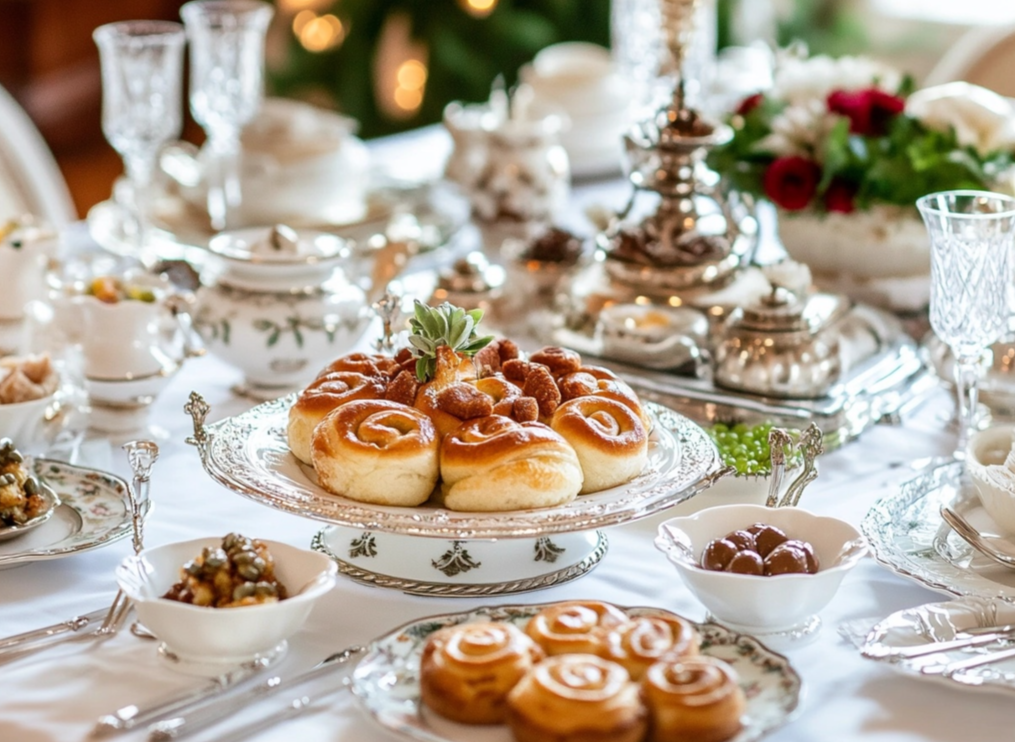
497, 431
583, 671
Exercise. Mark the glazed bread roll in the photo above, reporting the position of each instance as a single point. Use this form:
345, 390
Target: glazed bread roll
644, 640
695, 698
576, 698
610, 386
377, 451
368, 364
609, 439
494, 463
502, 393
467, 671
575, 626
328, 392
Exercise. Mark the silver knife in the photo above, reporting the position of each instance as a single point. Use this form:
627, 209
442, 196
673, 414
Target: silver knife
981, 659
920, 650
128, 717
75, 624
206, 715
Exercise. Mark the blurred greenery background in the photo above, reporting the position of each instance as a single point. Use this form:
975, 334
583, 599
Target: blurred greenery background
395, 64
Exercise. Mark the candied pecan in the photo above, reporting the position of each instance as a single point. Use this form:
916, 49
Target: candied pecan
402, 356
558, 360
540, 384
505, 407
578, 384
487, 360
525, 409
464, 401
507, 350
403, 389
517, 370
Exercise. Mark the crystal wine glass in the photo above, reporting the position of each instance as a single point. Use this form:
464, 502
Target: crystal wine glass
972, 238
226, 88
142, 76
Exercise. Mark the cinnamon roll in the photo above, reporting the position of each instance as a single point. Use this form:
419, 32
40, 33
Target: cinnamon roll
467, 671
575, 626
368, 364
576, 698
495, 463
695, 698
644, 640
560, 361
502, 393
609, 439
326, 393
377, 451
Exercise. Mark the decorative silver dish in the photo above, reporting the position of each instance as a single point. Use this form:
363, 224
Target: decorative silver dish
907, 534
942, 622
93, 511
386, 680
249, 454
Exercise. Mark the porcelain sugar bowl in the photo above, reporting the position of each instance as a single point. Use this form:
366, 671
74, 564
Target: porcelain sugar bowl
278, 305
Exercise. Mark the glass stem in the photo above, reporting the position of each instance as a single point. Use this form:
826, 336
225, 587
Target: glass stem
224, 182
967, 377
139, 172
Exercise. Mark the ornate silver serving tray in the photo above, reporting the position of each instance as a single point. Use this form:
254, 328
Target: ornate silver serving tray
881, 388
386, 680
249, 454
940, 622
907, 535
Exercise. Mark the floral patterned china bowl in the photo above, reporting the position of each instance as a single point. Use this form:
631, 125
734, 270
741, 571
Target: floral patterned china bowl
201, 640
777, 608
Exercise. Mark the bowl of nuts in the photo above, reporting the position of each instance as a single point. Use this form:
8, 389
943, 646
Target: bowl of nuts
760, 570
215, 603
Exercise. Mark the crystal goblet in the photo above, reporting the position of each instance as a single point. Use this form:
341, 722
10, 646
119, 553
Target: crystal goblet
226, 88
972, 238
142, 78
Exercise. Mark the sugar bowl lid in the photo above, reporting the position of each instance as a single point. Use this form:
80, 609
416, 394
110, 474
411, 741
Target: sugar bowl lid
279, 245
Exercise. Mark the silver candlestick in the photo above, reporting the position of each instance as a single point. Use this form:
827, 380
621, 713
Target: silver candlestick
389, 309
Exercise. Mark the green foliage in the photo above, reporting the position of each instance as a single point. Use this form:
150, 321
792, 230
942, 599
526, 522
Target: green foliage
466, 53
447, 325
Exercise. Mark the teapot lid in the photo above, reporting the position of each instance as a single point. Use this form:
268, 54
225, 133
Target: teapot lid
279, 245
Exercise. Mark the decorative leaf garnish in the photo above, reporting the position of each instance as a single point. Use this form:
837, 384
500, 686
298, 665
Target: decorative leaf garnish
447, 325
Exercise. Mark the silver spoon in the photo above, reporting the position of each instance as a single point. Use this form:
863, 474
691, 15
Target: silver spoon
988, 546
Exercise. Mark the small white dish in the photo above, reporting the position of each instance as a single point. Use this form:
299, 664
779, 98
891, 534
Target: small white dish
782, 608
206, 641
25, 422
986, 448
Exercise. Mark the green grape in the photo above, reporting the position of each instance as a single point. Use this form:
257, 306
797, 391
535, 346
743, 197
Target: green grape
746, 448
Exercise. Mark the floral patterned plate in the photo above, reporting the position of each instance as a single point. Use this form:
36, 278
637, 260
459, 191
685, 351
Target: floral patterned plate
386, 680
93, 511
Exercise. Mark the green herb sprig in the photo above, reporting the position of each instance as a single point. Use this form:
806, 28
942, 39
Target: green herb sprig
447, 325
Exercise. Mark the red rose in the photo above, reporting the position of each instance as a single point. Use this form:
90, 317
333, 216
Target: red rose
749, 103
840, 196
869, 111
791, 182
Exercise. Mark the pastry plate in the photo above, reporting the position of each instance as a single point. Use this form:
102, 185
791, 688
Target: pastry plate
938, 622
460, 569
907, 534
249, 454
386, 680
93, 511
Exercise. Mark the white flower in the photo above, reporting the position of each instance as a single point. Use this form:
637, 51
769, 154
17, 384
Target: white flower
981, 118
798, 80
798, 129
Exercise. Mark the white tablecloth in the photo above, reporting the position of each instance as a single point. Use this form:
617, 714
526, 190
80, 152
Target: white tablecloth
58, 694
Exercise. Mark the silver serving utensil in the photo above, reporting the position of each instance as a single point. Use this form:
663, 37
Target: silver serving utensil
968, 533
141, 455
921, 650
979, 660
131, 716
811, 445
778, 440
206, 714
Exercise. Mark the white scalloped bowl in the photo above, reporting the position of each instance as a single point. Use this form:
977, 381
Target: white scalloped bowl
991, 446
754, 604
202, 641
